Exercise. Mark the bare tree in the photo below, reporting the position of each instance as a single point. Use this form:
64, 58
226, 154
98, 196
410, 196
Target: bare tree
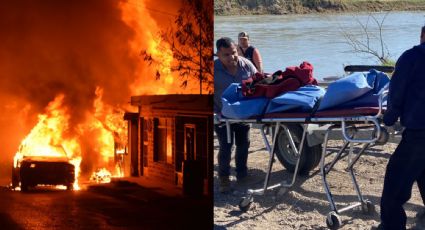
369, 37
191, 42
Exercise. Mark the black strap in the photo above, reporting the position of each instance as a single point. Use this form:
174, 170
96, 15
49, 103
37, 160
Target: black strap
243, 53
314, 110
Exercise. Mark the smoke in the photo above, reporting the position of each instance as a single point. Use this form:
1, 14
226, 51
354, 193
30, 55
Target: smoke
50, 47
166, 16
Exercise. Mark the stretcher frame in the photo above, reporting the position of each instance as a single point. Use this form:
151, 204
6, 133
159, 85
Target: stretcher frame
346, 124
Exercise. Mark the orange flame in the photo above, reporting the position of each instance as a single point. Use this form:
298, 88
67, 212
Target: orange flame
47, 138
52, 137
101, 176
146, 37
110, 128
169, 148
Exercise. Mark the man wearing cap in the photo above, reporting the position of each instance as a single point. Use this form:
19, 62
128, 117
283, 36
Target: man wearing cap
406, 100
249, 52
230, 68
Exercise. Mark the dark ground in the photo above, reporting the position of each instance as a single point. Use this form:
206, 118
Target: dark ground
119, 205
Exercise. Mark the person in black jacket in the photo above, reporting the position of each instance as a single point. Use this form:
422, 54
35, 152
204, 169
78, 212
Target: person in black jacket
406, 101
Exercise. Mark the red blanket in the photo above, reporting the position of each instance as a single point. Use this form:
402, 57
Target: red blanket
279, 82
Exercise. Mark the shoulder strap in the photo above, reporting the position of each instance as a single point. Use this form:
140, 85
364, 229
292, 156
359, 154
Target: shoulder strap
243, 53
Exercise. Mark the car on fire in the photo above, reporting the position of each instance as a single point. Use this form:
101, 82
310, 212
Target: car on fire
30, 171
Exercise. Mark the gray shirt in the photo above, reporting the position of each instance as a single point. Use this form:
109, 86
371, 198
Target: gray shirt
222, 78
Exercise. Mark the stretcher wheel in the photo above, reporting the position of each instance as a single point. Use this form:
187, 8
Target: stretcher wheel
245, 203
333, 221
287, 157
368, 208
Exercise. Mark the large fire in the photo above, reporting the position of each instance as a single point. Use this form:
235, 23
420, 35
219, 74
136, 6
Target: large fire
87, 80
50, 137
135, 17
53, 137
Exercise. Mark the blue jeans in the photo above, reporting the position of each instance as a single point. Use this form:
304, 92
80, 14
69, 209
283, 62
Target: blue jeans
240, 136
405, 166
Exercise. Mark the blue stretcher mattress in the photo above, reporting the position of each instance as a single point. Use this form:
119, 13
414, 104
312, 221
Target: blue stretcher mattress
356, 90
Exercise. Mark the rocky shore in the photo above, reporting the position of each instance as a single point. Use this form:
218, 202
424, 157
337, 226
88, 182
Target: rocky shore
279, 7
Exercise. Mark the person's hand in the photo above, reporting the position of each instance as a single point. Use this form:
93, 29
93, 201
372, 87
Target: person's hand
389, 119
217, 118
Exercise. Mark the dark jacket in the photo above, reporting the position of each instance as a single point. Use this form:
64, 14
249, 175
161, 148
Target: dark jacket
407, 90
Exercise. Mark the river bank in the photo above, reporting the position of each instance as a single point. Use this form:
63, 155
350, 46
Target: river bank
280, 7
288, 40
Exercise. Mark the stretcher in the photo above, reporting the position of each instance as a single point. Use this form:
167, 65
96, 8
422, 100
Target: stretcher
347, 121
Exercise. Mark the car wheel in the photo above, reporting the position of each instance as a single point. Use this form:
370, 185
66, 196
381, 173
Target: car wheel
24, 187
15, 179
69, 187
287, 157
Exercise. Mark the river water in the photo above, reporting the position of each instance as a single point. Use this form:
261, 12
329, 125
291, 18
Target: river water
287, 40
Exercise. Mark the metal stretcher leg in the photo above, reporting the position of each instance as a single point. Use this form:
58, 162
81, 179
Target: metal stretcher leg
367, 206
246, 202
333, 220
325, 169
346, 124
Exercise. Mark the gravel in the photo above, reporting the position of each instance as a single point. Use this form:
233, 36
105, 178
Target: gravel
304, 205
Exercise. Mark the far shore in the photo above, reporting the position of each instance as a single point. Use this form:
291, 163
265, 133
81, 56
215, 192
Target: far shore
259, 7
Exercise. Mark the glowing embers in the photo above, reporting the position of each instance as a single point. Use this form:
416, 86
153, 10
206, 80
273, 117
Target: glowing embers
101, 176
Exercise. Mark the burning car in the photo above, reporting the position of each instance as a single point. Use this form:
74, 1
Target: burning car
30, 171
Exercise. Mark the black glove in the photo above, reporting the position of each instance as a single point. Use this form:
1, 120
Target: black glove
390, 118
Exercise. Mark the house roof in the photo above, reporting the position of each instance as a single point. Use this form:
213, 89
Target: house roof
177, 102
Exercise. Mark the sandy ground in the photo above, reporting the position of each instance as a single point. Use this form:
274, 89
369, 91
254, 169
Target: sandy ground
305, 206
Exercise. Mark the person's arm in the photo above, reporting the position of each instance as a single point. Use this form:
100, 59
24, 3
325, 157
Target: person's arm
256, 57
398, 88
